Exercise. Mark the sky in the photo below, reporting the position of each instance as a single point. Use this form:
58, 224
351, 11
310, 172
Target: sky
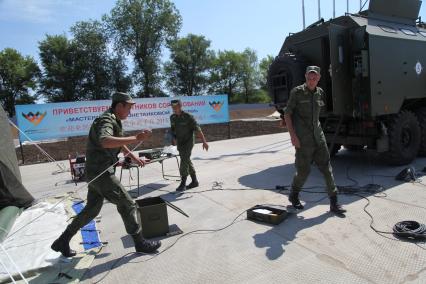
261, 25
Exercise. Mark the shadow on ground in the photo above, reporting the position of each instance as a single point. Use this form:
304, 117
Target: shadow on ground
275, 242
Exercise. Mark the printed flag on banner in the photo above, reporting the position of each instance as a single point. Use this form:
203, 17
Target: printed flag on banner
60, 120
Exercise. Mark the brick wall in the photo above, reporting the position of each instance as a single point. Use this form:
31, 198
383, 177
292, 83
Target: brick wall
235, 129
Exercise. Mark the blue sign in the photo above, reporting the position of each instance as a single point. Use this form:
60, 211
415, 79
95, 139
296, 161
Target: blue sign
60, 120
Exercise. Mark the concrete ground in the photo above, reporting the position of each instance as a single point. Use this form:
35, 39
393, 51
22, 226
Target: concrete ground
312, 246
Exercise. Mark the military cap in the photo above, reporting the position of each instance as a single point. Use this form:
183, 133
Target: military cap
176, 102
314, 69
122, 98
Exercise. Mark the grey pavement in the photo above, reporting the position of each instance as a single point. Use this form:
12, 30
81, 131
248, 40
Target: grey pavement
312, 246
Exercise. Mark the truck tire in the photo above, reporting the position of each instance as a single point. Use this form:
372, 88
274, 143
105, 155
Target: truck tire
292, 67
354, 148
404, 139
333, 151
421, 117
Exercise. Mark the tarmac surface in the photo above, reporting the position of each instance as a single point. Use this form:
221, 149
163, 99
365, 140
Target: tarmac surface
309, 246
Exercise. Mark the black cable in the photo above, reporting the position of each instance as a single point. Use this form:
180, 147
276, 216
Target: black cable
410, 229
404, 229
404, 234
170, 246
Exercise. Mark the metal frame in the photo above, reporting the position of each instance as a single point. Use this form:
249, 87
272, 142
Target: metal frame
159, 160
167, 176
129, 168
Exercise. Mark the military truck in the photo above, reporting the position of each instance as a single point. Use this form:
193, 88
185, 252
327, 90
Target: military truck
372, 71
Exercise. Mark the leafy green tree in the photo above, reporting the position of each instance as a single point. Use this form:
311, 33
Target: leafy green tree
250, 74
227, 72
120, 80
102, 71
263, 70
92, 58
81, 68
141, 28
62, 79
187, 71
18, 78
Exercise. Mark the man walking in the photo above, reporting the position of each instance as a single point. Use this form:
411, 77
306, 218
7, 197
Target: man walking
183, 128
301, 116
104, 143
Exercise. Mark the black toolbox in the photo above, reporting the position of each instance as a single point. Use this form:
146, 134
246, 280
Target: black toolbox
267, 214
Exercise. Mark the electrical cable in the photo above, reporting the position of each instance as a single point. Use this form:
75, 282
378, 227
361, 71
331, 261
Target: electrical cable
234, 221
410, 229
347, 189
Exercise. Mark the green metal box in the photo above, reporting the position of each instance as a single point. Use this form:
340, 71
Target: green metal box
152, 215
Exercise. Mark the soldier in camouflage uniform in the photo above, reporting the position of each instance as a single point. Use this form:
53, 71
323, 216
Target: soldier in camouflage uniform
183, 128
301, 117
104, 143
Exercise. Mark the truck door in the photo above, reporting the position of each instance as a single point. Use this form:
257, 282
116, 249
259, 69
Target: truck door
340, 70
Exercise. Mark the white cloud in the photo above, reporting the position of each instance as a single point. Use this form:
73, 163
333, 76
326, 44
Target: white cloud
33, 11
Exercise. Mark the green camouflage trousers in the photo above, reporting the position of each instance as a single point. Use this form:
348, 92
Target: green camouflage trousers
318, 154
186, 167
107, 187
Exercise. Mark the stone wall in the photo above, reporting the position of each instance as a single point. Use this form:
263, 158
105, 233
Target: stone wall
235, 129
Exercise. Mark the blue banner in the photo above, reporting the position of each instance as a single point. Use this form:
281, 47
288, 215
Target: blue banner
60, 120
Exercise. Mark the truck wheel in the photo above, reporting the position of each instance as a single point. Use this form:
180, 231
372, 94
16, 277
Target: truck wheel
354, 148
285, 73
421, 117
404, 139
333, 151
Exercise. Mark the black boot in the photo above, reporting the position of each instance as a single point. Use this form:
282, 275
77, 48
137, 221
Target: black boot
294, 199
145, 246
182, 185
335, 207
62, 244
194, 182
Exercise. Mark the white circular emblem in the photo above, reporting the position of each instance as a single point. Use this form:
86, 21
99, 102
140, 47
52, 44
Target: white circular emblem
419, 68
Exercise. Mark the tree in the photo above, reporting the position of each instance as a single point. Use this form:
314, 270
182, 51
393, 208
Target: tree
263, 70
141, 28
81, 68
120, 80
227, 72
250, 73
62, 80
102, 71
90, 43
186, 72
18, 75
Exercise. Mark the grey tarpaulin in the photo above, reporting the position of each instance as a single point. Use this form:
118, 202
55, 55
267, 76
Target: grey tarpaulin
12, 192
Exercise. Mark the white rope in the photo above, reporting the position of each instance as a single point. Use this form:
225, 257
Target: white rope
53, 160
74, 191
14, 264
49, 157
7, 271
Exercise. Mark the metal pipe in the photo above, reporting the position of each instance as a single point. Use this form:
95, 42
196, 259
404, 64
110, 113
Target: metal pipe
334, 9
319, 9
347, 6
303, 13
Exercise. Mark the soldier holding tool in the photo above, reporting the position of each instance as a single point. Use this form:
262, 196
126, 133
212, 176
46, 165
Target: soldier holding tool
104, 143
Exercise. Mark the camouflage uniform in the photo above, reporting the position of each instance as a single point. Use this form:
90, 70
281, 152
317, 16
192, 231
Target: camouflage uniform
183, 129
304, 106
107, 186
